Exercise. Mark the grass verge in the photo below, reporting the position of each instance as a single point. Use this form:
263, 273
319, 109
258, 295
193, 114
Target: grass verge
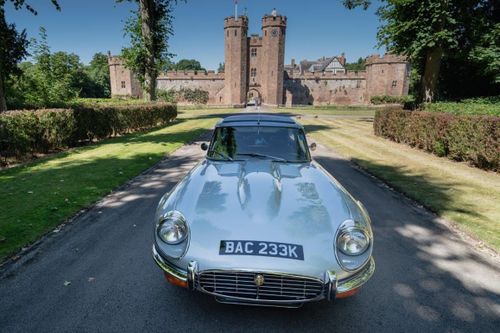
38, 196
455, 191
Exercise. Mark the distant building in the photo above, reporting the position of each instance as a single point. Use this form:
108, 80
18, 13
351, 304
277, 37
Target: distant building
255, 70
334, 64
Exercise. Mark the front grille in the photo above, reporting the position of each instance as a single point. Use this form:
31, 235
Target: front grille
276, 287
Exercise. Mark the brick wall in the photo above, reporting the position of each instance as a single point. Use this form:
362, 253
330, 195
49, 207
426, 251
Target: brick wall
325, 88
209, 81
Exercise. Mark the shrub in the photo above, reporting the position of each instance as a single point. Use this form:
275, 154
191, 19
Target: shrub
473, 106
41, 131
195, 96
475, 139
166, 96
385, 99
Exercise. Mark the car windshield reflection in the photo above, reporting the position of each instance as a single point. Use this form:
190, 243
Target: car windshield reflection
279, 144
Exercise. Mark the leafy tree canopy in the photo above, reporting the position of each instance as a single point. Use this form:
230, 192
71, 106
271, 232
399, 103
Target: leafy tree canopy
13, 46
187, 64
54, 79
432, 32
359, 65
98, 75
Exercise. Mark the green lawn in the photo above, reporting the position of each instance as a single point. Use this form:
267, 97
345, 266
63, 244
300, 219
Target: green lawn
468, 196
38, 196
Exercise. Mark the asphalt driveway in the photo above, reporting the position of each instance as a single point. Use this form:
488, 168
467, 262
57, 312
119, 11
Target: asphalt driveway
97, 274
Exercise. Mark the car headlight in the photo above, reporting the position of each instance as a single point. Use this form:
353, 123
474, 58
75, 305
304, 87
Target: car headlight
173, 228
353, 242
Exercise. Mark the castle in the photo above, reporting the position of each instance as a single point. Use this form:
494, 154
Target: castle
255, 71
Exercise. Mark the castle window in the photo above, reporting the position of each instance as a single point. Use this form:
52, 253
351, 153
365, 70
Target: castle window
358, 84
123, 84
227, 33
253, 72
394, 83
235, 32
254, 52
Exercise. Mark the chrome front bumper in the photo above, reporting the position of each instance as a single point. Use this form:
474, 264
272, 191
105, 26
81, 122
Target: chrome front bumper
332, 286
169, 268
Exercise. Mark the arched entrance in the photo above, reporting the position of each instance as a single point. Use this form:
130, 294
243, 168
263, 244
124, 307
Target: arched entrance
254, 97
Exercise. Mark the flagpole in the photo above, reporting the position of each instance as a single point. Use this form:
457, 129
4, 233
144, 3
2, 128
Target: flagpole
236, 9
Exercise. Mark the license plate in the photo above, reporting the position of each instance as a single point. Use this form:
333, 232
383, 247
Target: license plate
260, 248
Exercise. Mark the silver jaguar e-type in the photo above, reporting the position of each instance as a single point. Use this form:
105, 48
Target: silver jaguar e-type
258, 222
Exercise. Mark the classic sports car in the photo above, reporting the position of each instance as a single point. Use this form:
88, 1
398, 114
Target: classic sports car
258, 222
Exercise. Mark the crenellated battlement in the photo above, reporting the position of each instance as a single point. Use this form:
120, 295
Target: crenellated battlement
388, 58
255, 40
114, 60
191, 75
232, 22
273, 21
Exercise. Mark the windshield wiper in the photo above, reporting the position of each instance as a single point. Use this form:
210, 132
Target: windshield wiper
222, 155
263, 156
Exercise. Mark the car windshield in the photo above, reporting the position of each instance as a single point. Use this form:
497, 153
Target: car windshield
282, 144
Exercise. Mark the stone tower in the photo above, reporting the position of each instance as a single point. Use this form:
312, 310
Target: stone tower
123, 81
273, 59
236, 60
387, 75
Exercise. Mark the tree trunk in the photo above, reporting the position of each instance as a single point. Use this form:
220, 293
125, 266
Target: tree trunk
147, 16
431, 73
3, 103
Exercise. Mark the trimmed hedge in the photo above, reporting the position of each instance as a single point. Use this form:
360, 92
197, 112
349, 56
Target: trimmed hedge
470, 107
385, 99
41, 131
474, 139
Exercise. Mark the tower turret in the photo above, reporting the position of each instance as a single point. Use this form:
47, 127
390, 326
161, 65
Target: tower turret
236, 60
387, 75
273, 61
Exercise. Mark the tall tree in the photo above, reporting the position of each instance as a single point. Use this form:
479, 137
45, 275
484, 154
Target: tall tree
13, 45
98, 77
52, 80
149, 31
427, 30
13, 50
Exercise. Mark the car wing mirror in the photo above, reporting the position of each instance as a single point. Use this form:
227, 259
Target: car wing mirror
204, 146
313, 146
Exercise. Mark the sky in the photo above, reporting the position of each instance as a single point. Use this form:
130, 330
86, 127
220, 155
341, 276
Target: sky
316, 28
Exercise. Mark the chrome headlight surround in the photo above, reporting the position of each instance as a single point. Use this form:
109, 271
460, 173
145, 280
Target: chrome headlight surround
172, 234
352, 236
353, 231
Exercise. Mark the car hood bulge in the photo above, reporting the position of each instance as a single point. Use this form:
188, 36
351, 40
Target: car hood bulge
260, 200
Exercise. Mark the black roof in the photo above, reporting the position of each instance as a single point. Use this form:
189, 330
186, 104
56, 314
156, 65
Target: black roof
258, 119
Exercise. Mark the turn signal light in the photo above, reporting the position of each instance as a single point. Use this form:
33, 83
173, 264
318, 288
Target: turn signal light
346, 294
175, 281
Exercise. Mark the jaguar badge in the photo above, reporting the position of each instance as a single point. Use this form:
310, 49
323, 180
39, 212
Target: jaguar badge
259, 280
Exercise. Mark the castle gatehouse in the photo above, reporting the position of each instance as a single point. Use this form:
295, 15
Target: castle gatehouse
255, 72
